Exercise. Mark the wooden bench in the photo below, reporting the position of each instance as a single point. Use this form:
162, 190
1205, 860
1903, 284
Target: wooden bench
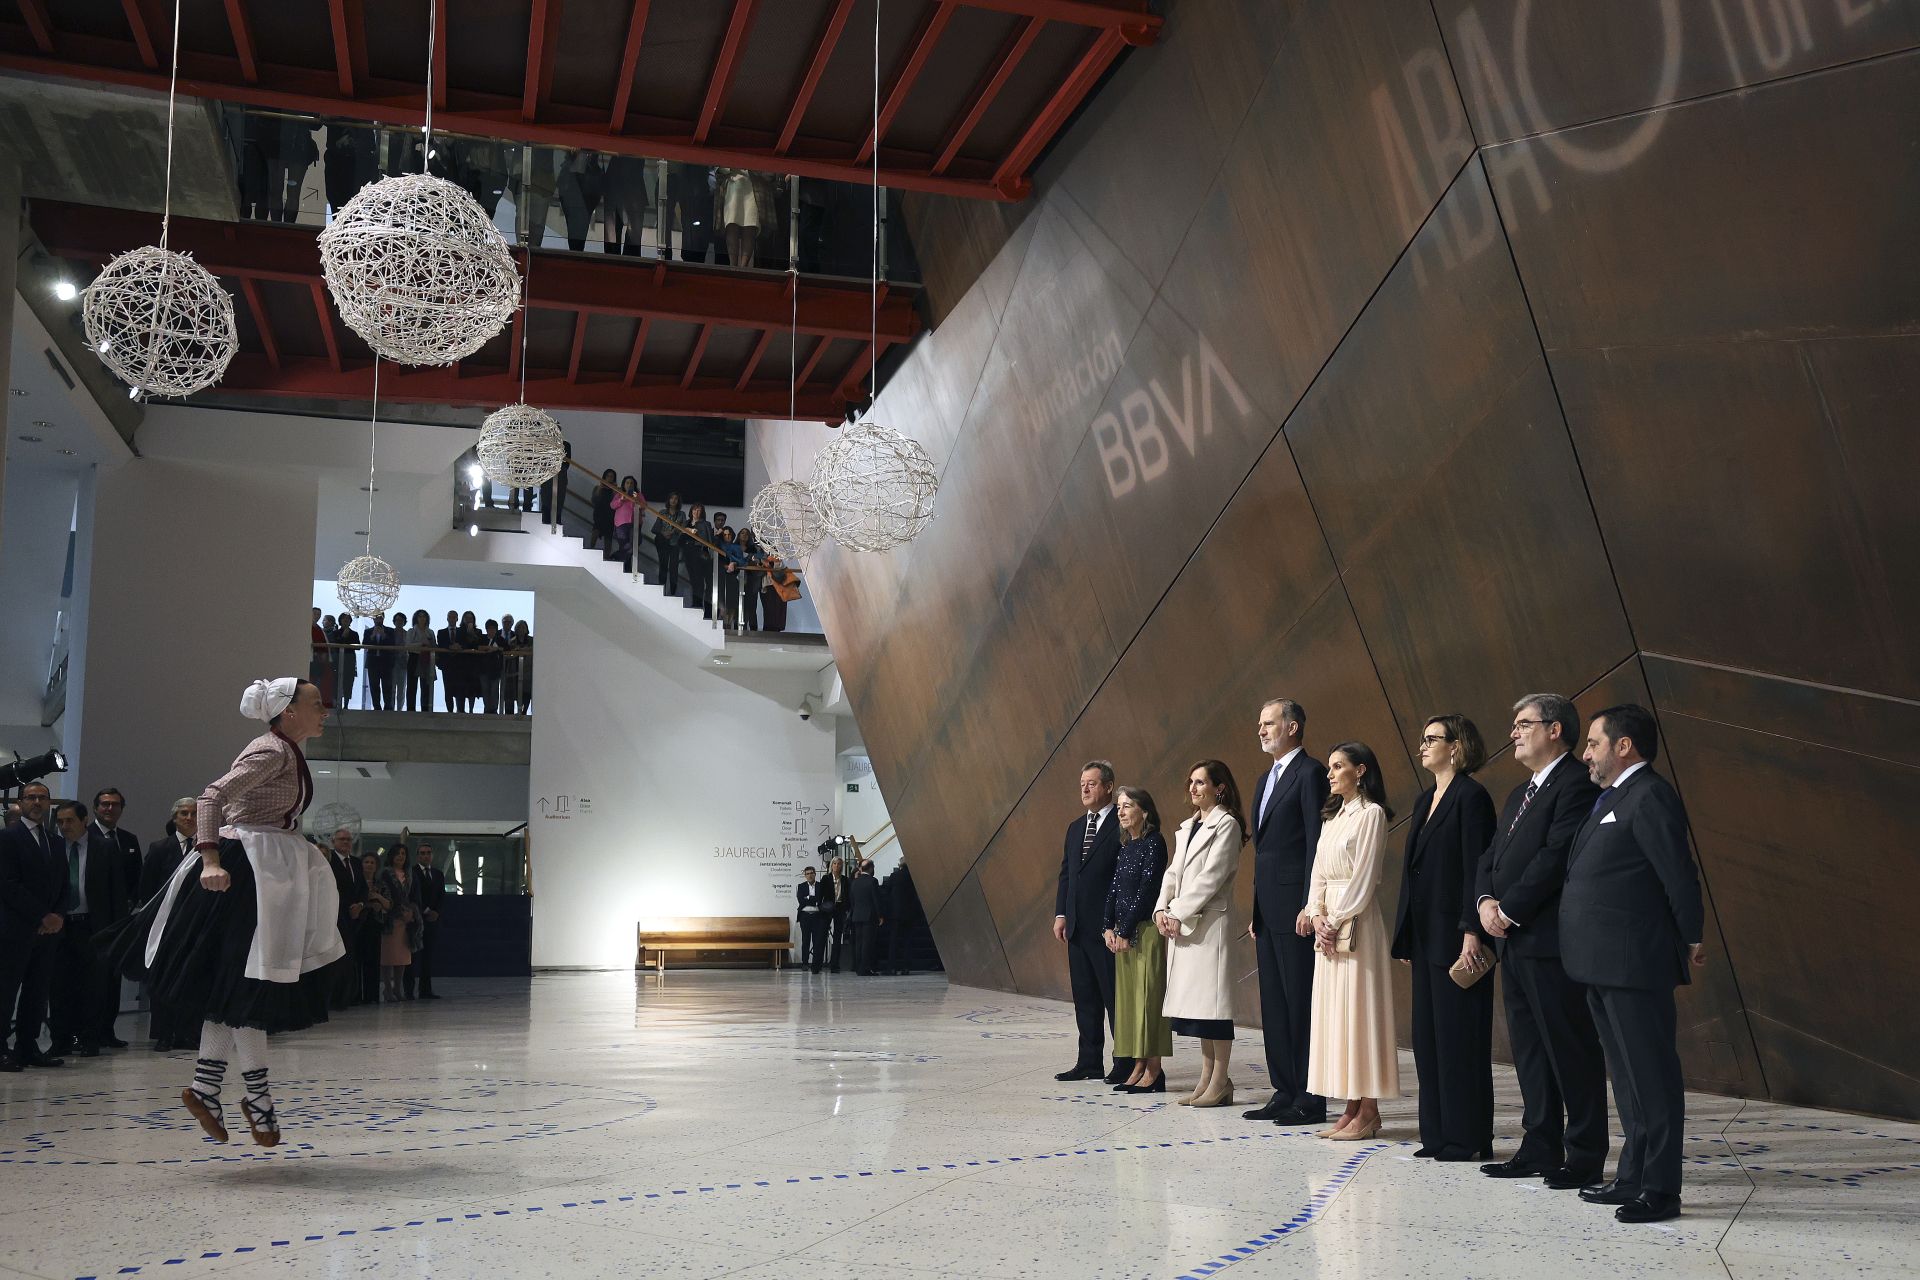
717, 934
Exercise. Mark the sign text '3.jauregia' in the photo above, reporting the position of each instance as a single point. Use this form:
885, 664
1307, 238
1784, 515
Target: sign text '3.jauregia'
1133, 444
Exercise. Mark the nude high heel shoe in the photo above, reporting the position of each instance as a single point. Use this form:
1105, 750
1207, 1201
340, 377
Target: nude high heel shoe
1221, 1096
1357, 1132
1335, 1129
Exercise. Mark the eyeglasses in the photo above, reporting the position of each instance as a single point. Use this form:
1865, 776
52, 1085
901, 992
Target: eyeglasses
1521, 726
1433, 740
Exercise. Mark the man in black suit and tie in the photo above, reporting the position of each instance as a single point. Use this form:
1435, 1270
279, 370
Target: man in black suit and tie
813, 909
380, 639
109, 806
1286, 830
429, 894
86, 992
1086, 873
1631, 920
33, 887
349, 883
863, 917
164, 857
1556, 1052
443, 640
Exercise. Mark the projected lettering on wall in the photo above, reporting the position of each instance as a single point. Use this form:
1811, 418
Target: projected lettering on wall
1419, 114
1133, 444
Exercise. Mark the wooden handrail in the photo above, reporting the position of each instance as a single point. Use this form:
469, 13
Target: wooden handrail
753, 566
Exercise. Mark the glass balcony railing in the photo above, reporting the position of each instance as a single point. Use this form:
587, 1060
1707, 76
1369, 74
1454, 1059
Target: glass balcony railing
298, 168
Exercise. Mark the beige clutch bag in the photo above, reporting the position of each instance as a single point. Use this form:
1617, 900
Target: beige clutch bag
1465, 973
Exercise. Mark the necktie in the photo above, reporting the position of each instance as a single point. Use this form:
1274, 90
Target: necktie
1533, 789
1600, 800
1266, 801
73, 878
1086, 846
40, 838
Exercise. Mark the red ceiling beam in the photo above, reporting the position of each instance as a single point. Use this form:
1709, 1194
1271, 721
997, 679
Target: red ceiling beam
686, 292
39, 26
349, 92
816, 68
693, 361
579, 346
720, 83
543, 31
142, 34
324, 314
805, 375
919, 49
1011, 173
987, 90
850, 380
629, 62
349, 36
753, 361
310, 377
242, 29
1129, 17
251, 292
639, 346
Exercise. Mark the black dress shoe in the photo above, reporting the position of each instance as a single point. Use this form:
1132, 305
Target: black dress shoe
1159, 1085
1457, 1155
1425, 1153
1570, 1179
1294, 1117
9, 1063
88, 1051
1080, 1073
1609, 1193
113, 1042
1515, 1168
428, 995
39, 1059
60, 1048
1651, 1206
162, 1045
1275, 1106
1122, 1069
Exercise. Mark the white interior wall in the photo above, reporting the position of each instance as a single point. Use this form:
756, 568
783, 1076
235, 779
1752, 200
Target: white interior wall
38, 515
427, 795
681, 792
198, 580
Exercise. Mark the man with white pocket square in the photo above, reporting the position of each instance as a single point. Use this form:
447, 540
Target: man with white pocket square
1631, 919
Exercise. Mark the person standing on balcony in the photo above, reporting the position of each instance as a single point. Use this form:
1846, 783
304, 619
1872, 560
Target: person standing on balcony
445, 641
694, 550
346, 660
731, 559
489, 666
521, 701
751, 578
667, 542
419, 642
626, 506
553, 494
380, 640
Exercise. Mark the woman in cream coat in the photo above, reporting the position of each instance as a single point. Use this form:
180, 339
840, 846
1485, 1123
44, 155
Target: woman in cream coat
1196, 896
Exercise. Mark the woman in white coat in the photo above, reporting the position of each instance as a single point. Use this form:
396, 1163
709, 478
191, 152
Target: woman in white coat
1196, 896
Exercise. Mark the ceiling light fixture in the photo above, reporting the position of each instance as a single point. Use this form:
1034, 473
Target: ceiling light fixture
31, 439
65, 290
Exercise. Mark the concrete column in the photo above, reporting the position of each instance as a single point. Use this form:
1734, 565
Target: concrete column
9, 271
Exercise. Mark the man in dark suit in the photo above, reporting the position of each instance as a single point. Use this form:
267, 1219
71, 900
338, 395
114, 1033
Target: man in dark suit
429, 894
164, 857
863, 917
346, 660
109, 806
85, 991
343, 988
1286, 830
443, 640
903, 913
813, 910
33, 885
1556, 1052
1086, 873
380, 639
1631, 920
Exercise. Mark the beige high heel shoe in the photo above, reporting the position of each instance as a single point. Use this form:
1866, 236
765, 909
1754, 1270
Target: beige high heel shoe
1334, 1131
1358, 1132
1221, 1097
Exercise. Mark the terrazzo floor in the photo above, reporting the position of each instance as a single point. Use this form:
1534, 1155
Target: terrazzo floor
765, 1126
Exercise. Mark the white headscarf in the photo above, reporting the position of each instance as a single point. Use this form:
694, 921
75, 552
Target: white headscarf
265, 699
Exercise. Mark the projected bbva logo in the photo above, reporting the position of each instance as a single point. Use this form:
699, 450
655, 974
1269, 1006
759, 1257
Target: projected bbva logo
1134, 446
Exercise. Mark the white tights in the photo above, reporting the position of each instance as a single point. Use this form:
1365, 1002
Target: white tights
246, 1047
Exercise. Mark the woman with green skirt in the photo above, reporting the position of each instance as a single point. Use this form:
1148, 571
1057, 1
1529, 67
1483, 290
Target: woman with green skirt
1140, 1031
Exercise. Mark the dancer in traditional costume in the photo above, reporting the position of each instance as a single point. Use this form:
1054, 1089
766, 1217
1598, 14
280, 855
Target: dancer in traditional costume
227, 941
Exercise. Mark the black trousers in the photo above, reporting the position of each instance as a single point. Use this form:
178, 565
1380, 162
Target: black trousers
86, 994
1453, 1058
366, 952
1636, 1029
380, 685
813, 939
418, 976
669, 556
839, 947
1090, 970
15, 955
863, 947
419, 682
1556, 1055
36, 986
1286, 1012
699, 564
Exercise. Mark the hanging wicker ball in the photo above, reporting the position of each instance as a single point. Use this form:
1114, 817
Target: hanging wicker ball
367, 586
874, 488
786, 521
520, 447
329, 818
419, 270
161, 322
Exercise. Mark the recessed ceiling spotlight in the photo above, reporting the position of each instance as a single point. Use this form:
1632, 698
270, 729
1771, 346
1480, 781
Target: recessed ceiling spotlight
66, 453
473, 531
19, 391
359, 533
65, 290
31, 439
506, 573
43, 424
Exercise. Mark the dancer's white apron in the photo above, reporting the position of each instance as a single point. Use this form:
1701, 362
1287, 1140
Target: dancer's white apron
299, 904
